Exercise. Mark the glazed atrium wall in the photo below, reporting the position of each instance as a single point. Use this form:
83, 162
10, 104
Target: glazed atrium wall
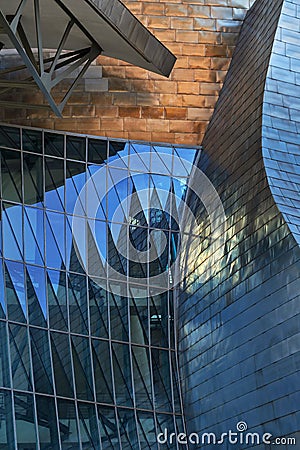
88, 361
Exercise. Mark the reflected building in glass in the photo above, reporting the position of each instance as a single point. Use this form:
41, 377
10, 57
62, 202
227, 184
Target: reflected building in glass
88, 361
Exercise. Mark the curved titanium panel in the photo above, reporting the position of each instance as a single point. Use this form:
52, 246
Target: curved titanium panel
281, 117
239, 330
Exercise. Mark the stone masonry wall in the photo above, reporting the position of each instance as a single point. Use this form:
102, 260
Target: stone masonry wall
129, 102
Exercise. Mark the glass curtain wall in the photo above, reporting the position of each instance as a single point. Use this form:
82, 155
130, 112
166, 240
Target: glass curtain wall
87, 357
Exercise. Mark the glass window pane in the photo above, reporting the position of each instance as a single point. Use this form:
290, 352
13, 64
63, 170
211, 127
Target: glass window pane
15, 291
12, 232
122, 374
62, 366
3, 311
116, 151
139, 320
159, 319
54, 144
75, 257
68, 425
128, 429
11, 175
33, 179
161, 379
78, 306
102, 371
82, 367
7, 438
57, 299
4, 366
97, 151
108, 428
40, 350
89, 434
98, 303
76, 148
36, 296
75, 180
54, 184
32, 141
146, 430
10, 137
20, 360
55, 240
119, 313
25, 421
34, 236
142, 377
47, 425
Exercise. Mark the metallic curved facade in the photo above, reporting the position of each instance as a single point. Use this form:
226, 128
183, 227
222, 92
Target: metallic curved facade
239, 330
85, 365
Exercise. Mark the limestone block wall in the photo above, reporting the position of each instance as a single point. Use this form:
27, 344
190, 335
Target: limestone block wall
129, 102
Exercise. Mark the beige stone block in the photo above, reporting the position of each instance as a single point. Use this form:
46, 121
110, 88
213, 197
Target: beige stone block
173, 112
188, 87
204, 24
182, 126
159, 22
182, 75
199, 11
187, 36
131, 123
182, 23
193, 49
124, 98
157, 125
153, 9
152, 112
173, 9
209, 37
216, 50
220, 12
115, 124
130, 111
163, 137
199, 113
193, 100
168, 87
165, 35
205, 75
147, 99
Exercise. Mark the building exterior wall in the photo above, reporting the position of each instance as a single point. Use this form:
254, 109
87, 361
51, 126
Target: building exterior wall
239, 328
129, 102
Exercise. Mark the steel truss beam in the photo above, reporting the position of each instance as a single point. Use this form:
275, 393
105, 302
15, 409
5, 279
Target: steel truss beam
45, 73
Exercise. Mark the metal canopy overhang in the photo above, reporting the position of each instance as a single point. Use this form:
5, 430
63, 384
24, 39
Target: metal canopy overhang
84, 28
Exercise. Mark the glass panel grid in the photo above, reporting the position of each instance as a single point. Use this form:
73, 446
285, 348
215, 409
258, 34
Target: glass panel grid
99, 352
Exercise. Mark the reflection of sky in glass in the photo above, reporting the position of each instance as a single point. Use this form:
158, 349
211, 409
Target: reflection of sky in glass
73, 188
16, 273
34, 236
12, 232
37, 278
2, 298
